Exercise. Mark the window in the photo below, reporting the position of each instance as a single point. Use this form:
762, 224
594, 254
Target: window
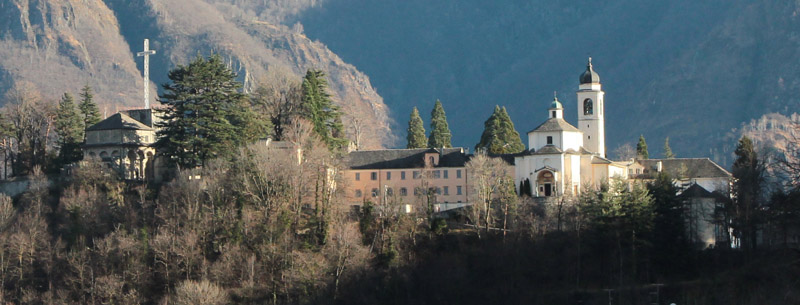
447, 190
403, 175
554, 114
389, 192
431, 160
588, 107
458, 173
358, 193
445, 174
417, 191
403, 191
437, 174
458, 190
375, 192
416, 174
374, 176
388, 175
549, 140
630, 172
358, 176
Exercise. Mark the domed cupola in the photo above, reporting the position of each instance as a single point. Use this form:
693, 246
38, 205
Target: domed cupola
556, 110
589, 76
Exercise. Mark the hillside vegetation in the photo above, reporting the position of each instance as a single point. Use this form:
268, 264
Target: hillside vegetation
59, 46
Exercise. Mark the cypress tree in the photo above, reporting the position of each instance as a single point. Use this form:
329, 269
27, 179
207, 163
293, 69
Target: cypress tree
318, 108
440, 132
641, 148
416, 131
88, 108
667, 150
70, 130
205, 115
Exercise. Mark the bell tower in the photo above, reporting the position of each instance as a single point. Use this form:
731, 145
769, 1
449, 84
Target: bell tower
591, 119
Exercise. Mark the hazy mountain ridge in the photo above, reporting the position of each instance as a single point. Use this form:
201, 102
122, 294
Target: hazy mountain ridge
59, 46
690, 70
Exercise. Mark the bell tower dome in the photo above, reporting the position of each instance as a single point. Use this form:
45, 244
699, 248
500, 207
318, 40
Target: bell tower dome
591, 119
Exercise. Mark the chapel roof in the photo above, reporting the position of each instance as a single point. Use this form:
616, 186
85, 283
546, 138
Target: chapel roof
404, 158
119, 121
555, 124
680, 168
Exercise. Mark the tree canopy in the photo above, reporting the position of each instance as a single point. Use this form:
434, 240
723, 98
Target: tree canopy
440, 132
641, 149
88, 108
70, 128
499, 135
318, 108
204, 115
416, 131
667, 150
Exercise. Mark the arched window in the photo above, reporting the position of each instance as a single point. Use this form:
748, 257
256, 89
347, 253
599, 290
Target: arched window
588, 107
403, 191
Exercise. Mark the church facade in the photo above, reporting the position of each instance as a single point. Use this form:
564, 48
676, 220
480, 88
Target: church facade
561, 158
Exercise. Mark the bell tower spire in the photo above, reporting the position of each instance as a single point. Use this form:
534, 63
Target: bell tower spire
591, 116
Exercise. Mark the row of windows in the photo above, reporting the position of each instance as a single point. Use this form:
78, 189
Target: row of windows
436, 174
417, 191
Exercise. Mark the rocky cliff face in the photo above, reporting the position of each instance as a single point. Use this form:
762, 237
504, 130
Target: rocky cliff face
59, 46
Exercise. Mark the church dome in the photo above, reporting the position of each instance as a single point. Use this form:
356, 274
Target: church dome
556, 104
589, 76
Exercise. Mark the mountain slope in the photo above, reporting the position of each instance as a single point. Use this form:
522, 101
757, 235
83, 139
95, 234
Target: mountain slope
60, 45
690, 70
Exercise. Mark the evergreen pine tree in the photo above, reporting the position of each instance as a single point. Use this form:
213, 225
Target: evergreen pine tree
512, 143
318, 108
748, 177
499, 135
416, 131
440, 132
641, 148
205, 115
489, 135
70, 129
88, 108
667, 150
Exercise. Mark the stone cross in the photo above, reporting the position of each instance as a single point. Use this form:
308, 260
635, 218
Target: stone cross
146, 54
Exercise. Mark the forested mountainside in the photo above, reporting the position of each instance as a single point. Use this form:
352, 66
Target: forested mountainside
689, 70
59, 46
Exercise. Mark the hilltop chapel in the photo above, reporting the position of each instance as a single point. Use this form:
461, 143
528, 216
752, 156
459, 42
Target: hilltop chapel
561, 158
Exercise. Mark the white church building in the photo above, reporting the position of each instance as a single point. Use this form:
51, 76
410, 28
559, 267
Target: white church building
562, 158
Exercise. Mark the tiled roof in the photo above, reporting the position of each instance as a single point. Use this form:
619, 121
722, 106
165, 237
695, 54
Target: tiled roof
697, 191
548, 150
555, 124
119, 121
403, 158
686, 168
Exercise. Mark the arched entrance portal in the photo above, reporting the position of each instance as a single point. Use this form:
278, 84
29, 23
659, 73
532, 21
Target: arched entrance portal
546, 183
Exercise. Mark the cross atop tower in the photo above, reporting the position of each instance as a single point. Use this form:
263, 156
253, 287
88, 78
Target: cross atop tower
146, 54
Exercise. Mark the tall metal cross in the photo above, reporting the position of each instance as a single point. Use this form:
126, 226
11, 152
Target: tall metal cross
146, 54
